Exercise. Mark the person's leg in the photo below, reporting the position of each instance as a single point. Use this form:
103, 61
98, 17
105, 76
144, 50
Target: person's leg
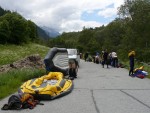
103, 62
97, 61
116, 60
70, 72
131, 70
107, 62
75, 69
113, 60
74, 73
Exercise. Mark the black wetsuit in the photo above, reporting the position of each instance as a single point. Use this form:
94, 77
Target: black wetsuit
131, 58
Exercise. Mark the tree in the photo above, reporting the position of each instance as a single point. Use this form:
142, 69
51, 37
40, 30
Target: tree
4, 32
139, 11
18, 28
137, 32
32, 32
2, 11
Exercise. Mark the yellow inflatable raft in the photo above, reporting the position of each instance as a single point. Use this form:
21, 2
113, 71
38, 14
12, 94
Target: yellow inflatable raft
48, 86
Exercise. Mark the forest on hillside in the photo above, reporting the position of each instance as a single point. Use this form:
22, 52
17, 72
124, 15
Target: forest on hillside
130, 31
15, 29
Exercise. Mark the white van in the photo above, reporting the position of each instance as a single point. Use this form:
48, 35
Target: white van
74, 54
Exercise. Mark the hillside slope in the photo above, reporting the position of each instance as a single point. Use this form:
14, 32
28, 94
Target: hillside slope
12, 53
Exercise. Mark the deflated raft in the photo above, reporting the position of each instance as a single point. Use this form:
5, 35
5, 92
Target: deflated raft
56, 60
48, 86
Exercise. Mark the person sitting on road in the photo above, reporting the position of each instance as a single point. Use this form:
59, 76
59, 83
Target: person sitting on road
73, 68
97, 58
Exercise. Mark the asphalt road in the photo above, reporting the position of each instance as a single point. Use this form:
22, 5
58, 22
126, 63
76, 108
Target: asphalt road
99, 90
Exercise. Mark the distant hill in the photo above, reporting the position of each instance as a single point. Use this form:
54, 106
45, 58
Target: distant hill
42, 33
46, 33
50, 32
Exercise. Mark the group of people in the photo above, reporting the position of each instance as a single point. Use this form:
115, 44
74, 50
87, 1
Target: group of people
109, 58
105, 58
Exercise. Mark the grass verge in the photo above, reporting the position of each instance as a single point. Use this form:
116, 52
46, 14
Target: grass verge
11, 81
11, 53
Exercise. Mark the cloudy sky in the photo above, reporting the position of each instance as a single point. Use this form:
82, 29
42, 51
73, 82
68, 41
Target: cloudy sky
65, 15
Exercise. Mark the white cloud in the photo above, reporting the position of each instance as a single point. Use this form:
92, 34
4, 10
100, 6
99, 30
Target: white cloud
61, 15
77, 25
108, 12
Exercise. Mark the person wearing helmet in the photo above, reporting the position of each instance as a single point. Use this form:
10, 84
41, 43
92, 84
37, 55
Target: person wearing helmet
131, 56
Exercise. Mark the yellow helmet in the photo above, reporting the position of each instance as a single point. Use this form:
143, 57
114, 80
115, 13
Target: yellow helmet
131, 53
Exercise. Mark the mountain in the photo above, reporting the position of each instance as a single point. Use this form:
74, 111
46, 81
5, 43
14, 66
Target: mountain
50, 32
42, 33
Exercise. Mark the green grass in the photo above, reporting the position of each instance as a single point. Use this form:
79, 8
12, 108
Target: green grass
11, 81
11, 53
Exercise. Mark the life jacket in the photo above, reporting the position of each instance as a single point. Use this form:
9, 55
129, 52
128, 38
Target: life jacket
24, 101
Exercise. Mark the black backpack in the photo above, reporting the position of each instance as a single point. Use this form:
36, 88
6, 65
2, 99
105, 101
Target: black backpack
14, 103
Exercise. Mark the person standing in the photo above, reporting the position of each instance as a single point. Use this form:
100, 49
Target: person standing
114, 59
86, 56
97, 59
81, 56
105, 58
109, 59
131, 56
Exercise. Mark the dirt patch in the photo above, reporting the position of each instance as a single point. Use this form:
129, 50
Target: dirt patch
33, 61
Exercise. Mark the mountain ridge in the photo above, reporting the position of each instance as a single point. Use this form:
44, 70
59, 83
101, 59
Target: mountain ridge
50, 31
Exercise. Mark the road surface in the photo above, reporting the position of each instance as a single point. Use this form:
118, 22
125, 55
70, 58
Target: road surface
99, 90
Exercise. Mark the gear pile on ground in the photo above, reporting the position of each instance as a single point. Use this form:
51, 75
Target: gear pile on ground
21, 101
33, 61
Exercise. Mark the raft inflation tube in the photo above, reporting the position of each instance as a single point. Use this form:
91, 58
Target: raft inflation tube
47, 87
57, 60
